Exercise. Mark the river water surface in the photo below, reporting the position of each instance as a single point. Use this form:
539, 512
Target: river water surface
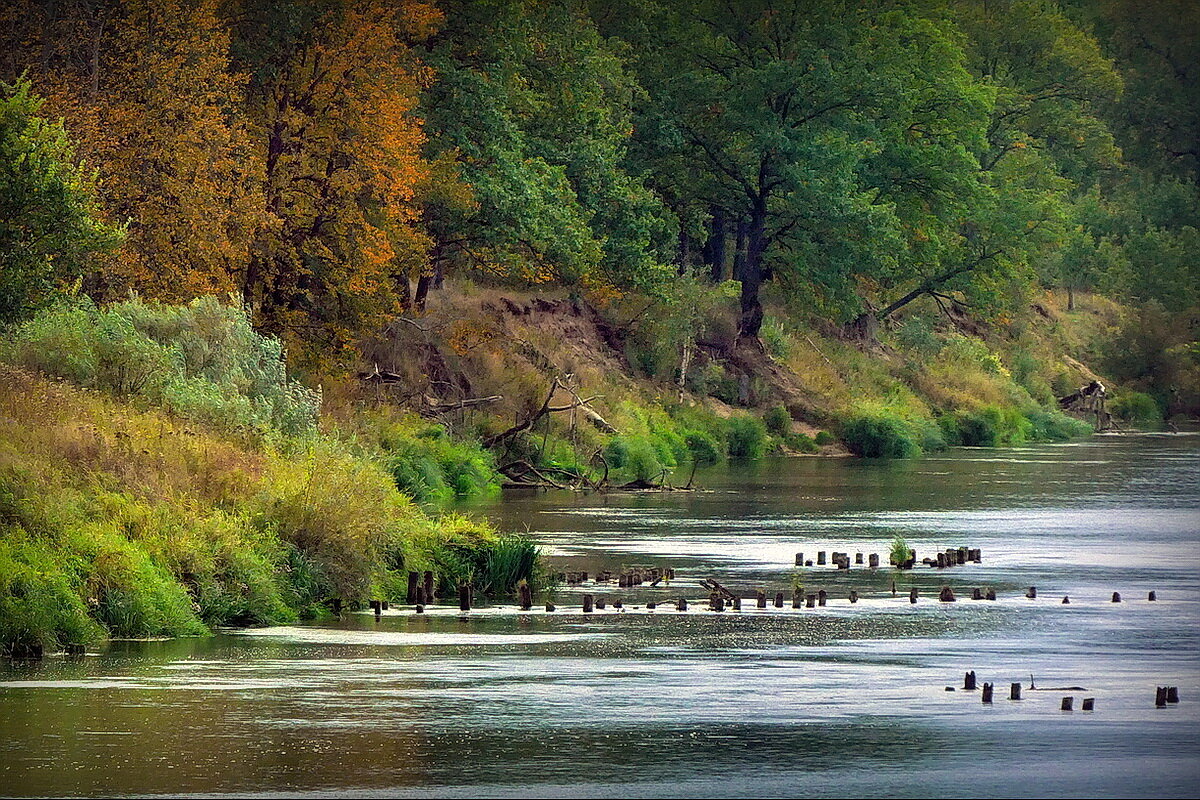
843, 700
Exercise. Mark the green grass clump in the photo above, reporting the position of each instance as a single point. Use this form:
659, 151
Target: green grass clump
900, 552
38, 603
1135, 407
879, 434
746, 437
1052, 425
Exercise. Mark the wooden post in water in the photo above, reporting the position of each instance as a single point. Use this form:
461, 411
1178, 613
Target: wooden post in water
1089, 704
549, 607
761, 598
617, 604
1152, 596
893, 588
987, 693
941, 560
1032, 593
1172, 694
858, 558
797, 598
822, 596
376, 607
976, 594
600, 603
526, 597
912, 595
799, 559
736, 603
716, 602
1068, 703
962, 555
651, 605
384, 604
464, 597
1014, 691
1160, 696
991, 594
428, 586
779, 599
821, 557
681, 605
810, 601
413, 579
588, 601
1066, 600
1116, 598
419, 608
873, 561
853, 596
946, 595
969, 681
420, 596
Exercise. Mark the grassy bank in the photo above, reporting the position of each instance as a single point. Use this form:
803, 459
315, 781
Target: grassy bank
160, 475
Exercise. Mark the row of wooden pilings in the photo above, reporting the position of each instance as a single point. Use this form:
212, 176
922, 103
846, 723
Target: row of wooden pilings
1163, 694
951, 557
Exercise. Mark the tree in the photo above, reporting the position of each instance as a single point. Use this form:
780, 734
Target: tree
333, 96
798, 116
49, 221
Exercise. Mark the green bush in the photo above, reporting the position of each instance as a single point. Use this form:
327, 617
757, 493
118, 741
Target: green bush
778, 421
1135, 407
635, 457
1055, 426
801, 442
824, 438
879, 434
746, 437
38, 605
991, 426
900, 552
202, 361
702, 447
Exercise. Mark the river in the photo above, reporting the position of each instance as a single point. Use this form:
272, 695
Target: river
849, 699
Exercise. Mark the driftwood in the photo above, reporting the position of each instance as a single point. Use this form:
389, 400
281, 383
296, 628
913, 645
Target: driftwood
577, 403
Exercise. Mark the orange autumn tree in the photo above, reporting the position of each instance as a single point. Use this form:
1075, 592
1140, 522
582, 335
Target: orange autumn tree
145, 90
333, 95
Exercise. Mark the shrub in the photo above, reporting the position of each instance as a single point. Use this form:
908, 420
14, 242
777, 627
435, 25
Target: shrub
702, 447
879, 434
778, 420
801, 442
635, 457
1135, 407
900, 552
746, 437
824, 438
990, 426
38, 605
1055, 426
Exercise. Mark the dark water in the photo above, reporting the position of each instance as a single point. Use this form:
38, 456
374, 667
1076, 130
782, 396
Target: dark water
844, 700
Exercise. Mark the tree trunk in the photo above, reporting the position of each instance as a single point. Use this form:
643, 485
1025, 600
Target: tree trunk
739, 250
684, 254
1070, 299
753, 273
423, 284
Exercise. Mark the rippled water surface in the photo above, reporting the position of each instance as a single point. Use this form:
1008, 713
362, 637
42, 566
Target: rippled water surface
842, 700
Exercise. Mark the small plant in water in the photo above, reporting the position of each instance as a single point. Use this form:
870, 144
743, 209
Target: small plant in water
901, 552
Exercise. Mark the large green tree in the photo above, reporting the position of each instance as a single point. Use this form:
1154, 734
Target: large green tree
49, 222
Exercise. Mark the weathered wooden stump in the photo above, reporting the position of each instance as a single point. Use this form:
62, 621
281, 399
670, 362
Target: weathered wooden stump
961, 555
873, 561
618, 604
736, 603
419, 608
1160, 696
384, 604
681, 605
853, 596
858, 558
1152, 596
429, 595
337, 606
1116, 598
549, 607
600, 603
821, 557
1014, 691
1172, 694
377, 607
76, 650
420, 596
779, 599
951, 558
977, 557
810, 601
1089, 704
760, 598
797, 598
893, 588
464, 597
946, 595
1068, 703
822, 596
414, 578
808, 563
941, 560
912, 595
799, 559
987, 693
976, 594
969, 681
1032, 593
651, 605
588, 603
716, 602
991, 594
526, 597
1066, 600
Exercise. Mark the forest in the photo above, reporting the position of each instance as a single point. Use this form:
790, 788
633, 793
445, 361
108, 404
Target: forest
433, 248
